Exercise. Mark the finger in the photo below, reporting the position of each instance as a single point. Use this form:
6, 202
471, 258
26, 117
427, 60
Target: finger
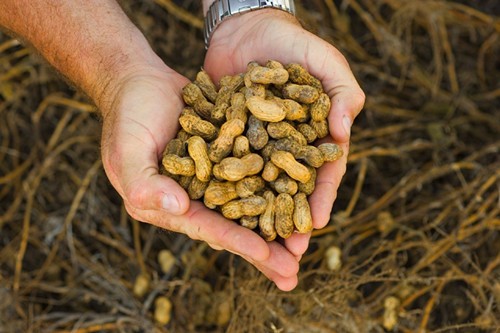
347, 103
297, 244
281, 267
327, 182
200, 223
210, 226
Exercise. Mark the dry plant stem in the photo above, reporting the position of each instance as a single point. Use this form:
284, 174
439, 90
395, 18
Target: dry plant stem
136, 230
430, 304
357, 188
68, 219
180, 13
93, 328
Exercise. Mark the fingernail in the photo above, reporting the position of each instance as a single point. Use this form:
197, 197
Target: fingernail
346, 122
170, 203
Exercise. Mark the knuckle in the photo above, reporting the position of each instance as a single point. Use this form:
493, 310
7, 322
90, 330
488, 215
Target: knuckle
360, 99
136, 196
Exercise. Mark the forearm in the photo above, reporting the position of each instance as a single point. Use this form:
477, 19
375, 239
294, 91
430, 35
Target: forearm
91, 42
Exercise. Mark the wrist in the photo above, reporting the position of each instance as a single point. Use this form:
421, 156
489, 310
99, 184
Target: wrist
222, 10
236, 30
119, 65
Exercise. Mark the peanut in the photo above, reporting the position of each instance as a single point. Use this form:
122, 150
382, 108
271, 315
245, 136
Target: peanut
294, 111
266, 109
193, 96
228, 86
185, 181
194, 125
183, 135
248, 186
266, 219
219, 193
300, 75
266, 75
308, 132
197, 149
268, 149
176, 147
283, 210
252, 88
237, 110
196, 188
320, 127
166, 260
285, 160
320, 108
283, 129
241, 146
331, 151
208, 204
301, 93
219, 112
251, 206
163, 310
141, 285
285, 184
234, 169
223, 145
308, 187
250, 222
176, 165
256, 133
270, 172
206, 85
310, 154
302, 218
274, 64
333, 258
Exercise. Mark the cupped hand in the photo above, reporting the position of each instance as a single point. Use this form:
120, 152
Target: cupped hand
139, 120
271, 34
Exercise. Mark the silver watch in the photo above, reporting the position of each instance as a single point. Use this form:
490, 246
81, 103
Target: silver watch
222, 9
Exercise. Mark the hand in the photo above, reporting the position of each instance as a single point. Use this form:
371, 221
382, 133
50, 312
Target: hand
139, 120
271, 34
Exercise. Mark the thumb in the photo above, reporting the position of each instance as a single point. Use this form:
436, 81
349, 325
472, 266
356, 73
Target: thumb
133, 171
152, 191
347, 102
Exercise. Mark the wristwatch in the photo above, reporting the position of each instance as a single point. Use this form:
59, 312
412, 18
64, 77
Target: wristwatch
222, 9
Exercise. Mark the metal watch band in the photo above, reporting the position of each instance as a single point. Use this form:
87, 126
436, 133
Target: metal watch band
222, 9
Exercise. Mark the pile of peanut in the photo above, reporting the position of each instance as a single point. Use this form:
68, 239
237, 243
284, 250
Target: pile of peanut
246, 147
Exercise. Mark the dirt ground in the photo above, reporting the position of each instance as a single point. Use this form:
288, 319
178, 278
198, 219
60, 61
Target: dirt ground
417, 219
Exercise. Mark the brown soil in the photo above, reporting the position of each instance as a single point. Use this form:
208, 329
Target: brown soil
417, 218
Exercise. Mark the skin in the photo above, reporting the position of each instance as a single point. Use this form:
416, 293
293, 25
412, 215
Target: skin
139, 95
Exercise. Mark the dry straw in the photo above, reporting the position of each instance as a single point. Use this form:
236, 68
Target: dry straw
416, 219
